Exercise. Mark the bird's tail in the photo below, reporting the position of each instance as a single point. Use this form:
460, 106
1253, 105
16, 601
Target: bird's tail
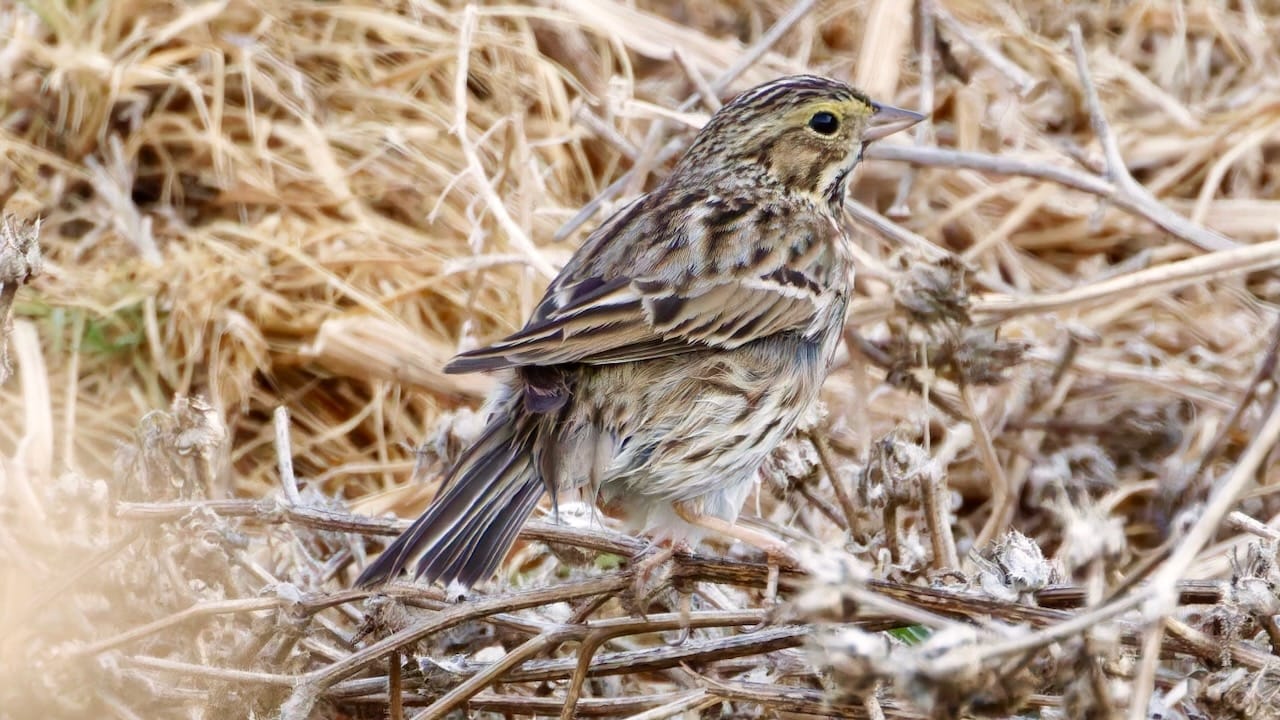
475, 516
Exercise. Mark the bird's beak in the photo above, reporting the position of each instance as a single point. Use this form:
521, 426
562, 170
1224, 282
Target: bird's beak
887, 120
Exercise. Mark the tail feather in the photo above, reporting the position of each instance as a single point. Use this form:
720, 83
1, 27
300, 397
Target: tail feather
473, 521
483, 556
461, 546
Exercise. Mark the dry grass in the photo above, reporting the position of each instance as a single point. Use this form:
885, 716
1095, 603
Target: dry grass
1066, 327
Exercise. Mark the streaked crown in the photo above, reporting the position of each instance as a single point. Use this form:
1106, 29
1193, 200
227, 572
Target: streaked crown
803, 131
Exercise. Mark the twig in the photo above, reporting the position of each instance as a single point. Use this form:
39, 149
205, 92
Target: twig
882, 360
602, 631
868, 596
691, 566
824, 505
39, 598
586, 651
787, 699
963, 662
1240, 521
825, 457
1271, 626
1061, 381
891, 230
923, 132
698, 652
524, 705
1003, 496
605, 132
186, 669
1118, 171
268, 510
1144, 679
310, 685
395, 691
1021, 80
19, 262
178, 618
478, 682
284, 456
1203, 268
700, 84
1209, 648
542, 596
1266, 370
1137, 201
871, 702
118, 706
271, 510
934, 497
627, 662
692, 701
1163, 586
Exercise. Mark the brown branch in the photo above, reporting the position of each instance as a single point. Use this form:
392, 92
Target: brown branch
310, 685
1134, 199
922, 134
395, 688
1004, 497
693, 653
530, 704
587, 650
1020, 79
475, 684
825, 456
785, 699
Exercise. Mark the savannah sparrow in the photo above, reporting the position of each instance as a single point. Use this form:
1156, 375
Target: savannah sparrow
678, 347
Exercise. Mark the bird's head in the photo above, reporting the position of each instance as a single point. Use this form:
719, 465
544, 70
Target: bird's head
807, 132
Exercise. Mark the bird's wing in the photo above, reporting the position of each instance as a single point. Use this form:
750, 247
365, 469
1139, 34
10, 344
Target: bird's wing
626, 319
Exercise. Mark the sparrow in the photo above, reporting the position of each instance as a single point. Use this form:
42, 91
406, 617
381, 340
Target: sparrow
680, 345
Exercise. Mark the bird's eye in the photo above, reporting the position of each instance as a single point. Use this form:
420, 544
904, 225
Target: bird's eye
824, 123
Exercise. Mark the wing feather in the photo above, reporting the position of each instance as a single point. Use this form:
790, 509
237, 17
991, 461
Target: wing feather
645, 319
626, 295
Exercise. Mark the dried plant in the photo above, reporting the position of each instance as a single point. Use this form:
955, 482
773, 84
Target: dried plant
240, 239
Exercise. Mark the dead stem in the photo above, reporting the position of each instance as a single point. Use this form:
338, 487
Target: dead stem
1003, 495
1022, 82
300, 222
1133, 199
825, 456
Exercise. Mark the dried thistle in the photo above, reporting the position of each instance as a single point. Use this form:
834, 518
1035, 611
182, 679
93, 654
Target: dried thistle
1013, 569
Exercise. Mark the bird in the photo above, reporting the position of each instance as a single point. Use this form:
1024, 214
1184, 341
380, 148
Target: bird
676, 349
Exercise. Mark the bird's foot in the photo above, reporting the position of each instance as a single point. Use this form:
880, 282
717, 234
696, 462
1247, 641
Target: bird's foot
643, 568
777, 553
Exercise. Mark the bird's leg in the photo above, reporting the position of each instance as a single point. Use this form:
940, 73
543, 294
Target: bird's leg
686, 610
643, 570
775, 550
